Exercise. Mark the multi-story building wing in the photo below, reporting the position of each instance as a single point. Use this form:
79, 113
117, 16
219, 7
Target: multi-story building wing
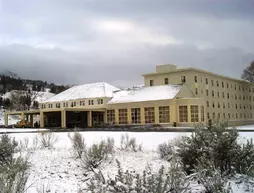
226, 98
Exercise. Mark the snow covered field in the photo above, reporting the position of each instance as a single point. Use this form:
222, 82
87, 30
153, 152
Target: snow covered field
58, 170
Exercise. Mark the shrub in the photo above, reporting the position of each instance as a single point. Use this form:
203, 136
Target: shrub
211, 178
24, 144
166, 151
130, 181
8, 147
47, 139
129, 144
78, 144
216, 144
245, 159
13, 168
97, 153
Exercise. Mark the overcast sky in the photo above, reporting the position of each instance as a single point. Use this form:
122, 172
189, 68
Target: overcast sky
82, 41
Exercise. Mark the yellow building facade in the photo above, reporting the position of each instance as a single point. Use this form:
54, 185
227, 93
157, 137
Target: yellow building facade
170, 96
226, 98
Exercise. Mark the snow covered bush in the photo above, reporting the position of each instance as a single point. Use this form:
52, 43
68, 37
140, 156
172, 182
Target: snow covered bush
78, 143
174, 180
166, 150
97, 153
216, 144
211, 178
13, 168
130, 144
245, 159
47, 139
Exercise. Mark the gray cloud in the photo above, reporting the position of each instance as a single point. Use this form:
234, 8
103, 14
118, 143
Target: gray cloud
73, 42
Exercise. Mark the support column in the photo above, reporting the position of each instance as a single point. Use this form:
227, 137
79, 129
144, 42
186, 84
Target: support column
173, 112
6, 119
42, 119
63, 119
116, 117
22, 116
189, 113
32, 120
105, 117
156, 114
129, 116
89, 118
142, 115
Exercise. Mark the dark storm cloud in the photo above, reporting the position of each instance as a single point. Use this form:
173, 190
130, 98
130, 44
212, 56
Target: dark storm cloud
67, 68
80, 41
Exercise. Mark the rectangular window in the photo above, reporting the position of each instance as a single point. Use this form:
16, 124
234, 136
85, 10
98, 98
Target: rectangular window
90, 102
217, 82
164, 114
212, 93
100, 101
195, 79
212, 82
135, 115
151, 82
149, 115
222, 84
82, 103
207, 92
207, 103
123, 116
74, 104
218, 94
223, 95
183, 113
196, 90
206, 80
111, 116
194, 113
183, 79
166, 80
202, 110
227, 85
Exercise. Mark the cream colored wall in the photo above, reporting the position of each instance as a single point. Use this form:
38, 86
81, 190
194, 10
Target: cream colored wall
87, 106
173, 104
175, 78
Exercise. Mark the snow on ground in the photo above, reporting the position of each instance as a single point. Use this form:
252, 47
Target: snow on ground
61, 172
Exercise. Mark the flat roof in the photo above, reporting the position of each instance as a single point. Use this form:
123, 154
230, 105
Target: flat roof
198, 70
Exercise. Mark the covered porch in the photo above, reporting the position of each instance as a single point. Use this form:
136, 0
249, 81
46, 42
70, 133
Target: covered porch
72, 118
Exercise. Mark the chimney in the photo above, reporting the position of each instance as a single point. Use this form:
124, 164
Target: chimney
166, 68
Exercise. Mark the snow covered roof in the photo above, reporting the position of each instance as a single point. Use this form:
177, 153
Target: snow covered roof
93, 90
150, 93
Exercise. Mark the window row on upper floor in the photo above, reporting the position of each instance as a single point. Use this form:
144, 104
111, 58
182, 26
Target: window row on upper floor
73, 103
227, 95
229, 116
212, 82
224, 105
